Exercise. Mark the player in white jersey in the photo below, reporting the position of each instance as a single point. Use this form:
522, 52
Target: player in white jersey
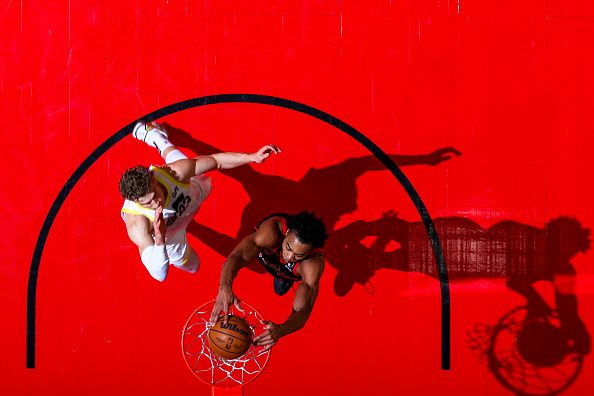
161, 201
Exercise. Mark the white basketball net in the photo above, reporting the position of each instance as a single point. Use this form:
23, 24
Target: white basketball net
213, 369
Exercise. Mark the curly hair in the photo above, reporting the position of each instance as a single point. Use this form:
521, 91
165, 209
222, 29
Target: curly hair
135, 183
310, 229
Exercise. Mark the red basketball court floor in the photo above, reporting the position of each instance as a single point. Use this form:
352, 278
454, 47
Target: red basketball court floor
335, 84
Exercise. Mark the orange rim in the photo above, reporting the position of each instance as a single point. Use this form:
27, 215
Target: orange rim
228, 381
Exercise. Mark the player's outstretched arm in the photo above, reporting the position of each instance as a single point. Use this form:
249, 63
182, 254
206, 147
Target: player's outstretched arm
187, 168
243, 253
246, 251
303, 303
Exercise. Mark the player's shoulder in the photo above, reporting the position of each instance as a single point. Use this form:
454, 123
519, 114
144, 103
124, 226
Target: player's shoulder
313, 266
136, 221
269, 234
139, 229
273, 223
316, 258
172, 172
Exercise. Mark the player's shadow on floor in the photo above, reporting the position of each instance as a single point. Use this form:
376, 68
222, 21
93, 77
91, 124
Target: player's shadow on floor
522, 255
330, 191
519, 253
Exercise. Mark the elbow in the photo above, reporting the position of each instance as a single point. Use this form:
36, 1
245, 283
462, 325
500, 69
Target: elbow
216, 162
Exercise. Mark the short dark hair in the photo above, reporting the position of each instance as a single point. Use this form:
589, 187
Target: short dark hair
310, 229
135, 183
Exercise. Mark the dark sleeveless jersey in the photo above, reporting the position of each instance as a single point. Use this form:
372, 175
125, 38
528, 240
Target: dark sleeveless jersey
272, 260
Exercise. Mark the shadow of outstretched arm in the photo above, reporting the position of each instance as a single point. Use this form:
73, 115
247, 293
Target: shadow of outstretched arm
350, 169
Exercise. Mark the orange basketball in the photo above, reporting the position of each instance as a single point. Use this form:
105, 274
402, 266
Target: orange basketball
232, 339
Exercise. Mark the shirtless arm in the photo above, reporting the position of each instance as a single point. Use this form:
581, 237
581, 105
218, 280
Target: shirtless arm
246, 251
187, 168
303, 303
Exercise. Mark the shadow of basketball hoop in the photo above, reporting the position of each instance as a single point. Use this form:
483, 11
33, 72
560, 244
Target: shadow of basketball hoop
529, 354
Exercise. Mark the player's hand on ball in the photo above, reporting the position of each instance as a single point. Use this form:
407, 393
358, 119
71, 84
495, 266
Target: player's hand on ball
224, 300
272, 332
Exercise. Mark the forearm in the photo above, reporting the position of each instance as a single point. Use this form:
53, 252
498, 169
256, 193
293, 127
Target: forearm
229, 271
302, 306
159, 239
295, 321
153, 253
232, 160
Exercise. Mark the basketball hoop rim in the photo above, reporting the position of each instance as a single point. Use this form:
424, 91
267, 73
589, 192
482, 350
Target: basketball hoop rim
245, 305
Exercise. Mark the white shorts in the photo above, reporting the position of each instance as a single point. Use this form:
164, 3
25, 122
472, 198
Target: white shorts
180, 253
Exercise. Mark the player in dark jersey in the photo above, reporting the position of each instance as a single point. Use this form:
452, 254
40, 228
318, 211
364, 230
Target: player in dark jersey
290, 248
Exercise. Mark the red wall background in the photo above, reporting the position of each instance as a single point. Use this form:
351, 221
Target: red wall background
507, 84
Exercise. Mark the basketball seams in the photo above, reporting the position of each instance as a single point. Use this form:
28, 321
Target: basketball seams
214, 345
217, 341
227, 334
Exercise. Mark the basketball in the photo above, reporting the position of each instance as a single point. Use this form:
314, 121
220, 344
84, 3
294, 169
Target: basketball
230, 340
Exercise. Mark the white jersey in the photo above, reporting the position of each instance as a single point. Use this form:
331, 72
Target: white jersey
182, 202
